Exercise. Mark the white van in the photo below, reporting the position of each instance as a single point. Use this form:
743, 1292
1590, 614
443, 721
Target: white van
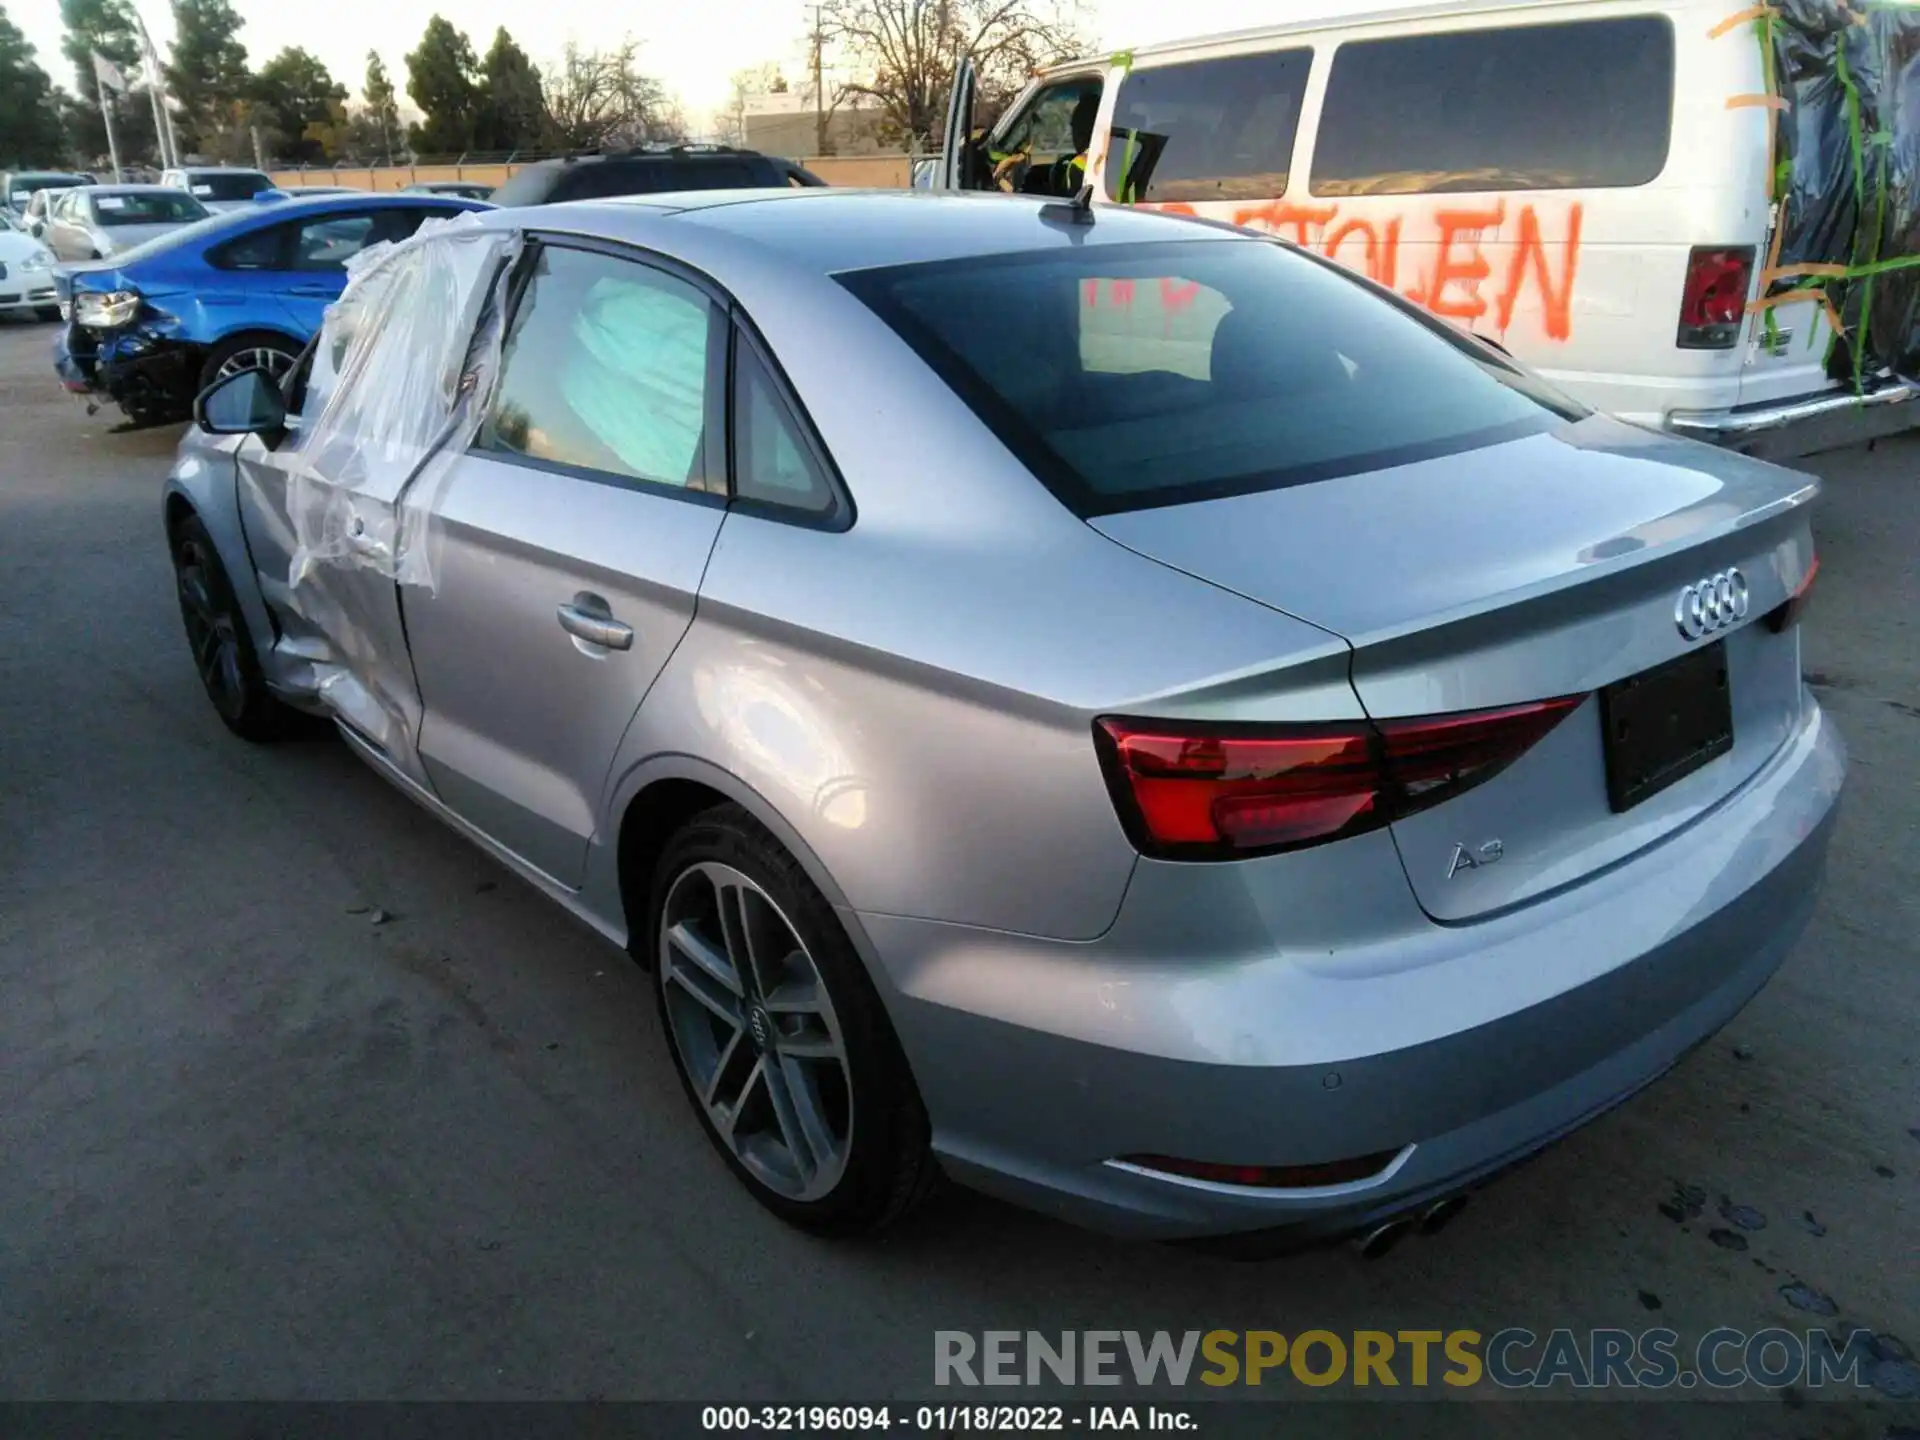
1585, 182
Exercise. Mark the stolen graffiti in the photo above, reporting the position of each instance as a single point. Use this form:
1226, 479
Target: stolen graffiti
1460, 280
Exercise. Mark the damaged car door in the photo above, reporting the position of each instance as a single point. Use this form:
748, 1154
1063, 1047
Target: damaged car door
570, 541
334, 512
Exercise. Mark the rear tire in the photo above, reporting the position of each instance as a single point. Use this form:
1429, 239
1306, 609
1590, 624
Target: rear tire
219, 641
780, 1040
264, 349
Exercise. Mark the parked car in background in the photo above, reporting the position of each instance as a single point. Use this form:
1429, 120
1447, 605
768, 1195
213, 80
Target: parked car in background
221, 187
650, 171
467, 189
1456, 775
152, 327
17, 187
26, 273
1477, 156
94, 222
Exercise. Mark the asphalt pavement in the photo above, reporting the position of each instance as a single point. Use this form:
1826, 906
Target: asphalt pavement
301, 1096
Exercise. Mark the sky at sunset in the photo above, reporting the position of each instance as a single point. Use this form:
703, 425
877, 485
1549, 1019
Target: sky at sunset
694, 48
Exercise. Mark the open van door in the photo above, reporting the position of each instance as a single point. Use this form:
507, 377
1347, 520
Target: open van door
956, 152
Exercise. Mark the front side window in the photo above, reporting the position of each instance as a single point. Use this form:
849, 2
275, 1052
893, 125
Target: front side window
1129, 376
1043, 150
1536, 107
607, 369
1210, 130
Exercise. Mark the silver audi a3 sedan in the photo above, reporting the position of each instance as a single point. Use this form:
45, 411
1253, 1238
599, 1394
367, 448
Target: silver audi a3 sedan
1110, 708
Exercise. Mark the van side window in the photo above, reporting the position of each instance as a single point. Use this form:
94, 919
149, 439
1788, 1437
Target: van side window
1211, 130
1584, 104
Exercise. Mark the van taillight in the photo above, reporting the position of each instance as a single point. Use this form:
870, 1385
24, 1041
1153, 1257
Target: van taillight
1713, 301
1187, 790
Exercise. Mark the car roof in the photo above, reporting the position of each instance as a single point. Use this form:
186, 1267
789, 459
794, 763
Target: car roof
131, 189
833, 230
1335, 20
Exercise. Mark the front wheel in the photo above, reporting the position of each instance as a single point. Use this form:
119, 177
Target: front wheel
222, 649
48, 313
779, 1037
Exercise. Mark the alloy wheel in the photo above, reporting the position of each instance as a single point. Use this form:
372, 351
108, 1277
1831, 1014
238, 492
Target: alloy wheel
212, 630
756, 1031
260, 357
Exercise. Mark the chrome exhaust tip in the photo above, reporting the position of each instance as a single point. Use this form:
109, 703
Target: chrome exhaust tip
1383, 1237
1440, 1213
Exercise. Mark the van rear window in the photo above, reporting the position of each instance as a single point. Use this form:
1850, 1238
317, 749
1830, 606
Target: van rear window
1213, 129
1537, 107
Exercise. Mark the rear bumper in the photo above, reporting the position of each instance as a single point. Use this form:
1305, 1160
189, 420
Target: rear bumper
1835, 417
140, 373
1264, 1060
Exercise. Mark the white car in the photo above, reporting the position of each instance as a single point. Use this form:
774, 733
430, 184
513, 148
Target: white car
26, 275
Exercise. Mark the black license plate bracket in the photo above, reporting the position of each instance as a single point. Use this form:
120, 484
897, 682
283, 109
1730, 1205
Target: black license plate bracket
1665, 723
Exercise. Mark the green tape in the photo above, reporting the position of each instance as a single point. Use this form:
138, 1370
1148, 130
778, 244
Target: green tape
1121, 60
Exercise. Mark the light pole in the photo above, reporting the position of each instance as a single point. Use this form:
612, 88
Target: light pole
156, 92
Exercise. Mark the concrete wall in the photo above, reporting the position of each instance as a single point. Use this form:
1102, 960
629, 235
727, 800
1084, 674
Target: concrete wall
396, 177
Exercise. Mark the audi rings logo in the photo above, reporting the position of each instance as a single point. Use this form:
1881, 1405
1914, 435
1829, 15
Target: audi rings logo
1711, 604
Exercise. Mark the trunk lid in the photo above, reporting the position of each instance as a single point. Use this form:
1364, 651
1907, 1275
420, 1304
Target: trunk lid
1546, 566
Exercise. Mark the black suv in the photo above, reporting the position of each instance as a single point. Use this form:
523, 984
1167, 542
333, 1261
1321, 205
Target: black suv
648, 172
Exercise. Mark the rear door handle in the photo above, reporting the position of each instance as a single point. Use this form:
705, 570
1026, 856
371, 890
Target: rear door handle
595, 627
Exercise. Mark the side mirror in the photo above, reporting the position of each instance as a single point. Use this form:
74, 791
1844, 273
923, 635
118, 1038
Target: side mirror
247, 402
36, 227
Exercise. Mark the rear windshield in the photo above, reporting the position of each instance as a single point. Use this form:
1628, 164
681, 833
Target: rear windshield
152, 208
1130, 376
228, 185
24, 185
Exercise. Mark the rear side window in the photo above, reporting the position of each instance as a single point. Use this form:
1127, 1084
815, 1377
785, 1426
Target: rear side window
1536, 107
607, 369
609, 178
1213, 130
258, 250
772, 462
1129, 376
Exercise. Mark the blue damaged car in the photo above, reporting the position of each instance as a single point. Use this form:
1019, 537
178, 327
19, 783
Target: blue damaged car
151, 328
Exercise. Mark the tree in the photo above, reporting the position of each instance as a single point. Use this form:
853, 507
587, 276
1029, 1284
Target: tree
906, 50
382, 115
105, 26
294, 91
511, 112
440, 80
598, 99
30, 131
208, 74
731, 123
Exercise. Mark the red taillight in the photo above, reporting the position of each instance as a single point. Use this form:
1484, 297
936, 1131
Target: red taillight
1787, 614
1713, 299
1194, 791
